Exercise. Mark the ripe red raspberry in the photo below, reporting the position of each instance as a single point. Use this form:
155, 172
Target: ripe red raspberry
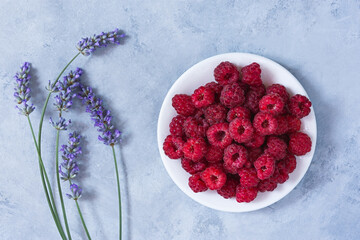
282, 125
281, 166
219, 165
229, 168
196, 184
194, 128
244, 194
195, 149
218, 135
214, 178
299, 144
251, 74
183, 105
299, 106
253, 98
267, 185
203, 97
173, 147
265, 123
256, 141
217, 88
276, 147
214, 154
294, 123
238, 112
271, 103
254, 154
278, 89
215, 113
232, 95
176, 126
226, 73
265, 166
290, 161
248, 177
279, 177
229, 189
191, 166
241, 130
235, 156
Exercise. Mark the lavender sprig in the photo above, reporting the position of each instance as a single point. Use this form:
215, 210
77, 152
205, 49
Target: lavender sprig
67, 90
22, 90
89, 44
76, 192
100, 116
61, 124
69, 169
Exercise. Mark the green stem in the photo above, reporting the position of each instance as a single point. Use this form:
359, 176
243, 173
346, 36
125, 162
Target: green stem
42, 170
59, 185
47, 100
118, 189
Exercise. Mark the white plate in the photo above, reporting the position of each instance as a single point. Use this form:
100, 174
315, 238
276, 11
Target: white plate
202, 73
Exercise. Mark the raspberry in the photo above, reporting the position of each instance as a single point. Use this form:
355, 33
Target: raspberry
229, 168
232, 95
265, 166
276, 147
235, 156
251, 74
265, 123
203, 97
214, 178
278, 89
271, 103
266, 185
214, 154
226, 73
241, 130
282, 125
290, 161
196, 184
244, 194
281, 166
218, 165
299, 143
215, 113
194, 128
244, 86
279, 177
173, 147
217, 88
299, 106
294, 123
183, 105
248, 177
253, 97
238, 112
176, 126
195, 149
218, 135
229, 189
192, 167
254, 154
256, 141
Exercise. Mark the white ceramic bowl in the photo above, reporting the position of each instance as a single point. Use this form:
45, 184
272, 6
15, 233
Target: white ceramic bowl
202, 73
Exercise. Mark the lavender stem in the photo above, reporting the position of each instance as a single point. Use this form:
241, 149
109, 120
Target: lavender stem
118, 189
59, 185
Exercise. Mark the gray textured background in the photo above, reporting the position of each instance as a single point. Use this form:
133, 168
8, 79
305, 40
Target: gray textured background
318, 41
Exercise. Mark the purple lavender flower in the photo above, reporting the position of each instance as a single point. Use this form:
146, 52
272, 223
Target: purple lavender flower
100, 115
22, 90
89, 44
75, 192
67, 88
61, 124
69, 168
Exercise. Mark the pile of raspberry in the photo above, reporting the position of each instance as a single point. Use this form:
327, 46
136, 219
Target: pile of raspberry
235, 135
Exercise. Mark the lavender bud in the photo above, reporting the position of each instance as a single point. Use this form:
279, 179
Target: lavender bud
22, 90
